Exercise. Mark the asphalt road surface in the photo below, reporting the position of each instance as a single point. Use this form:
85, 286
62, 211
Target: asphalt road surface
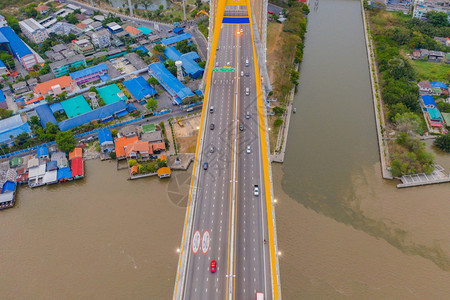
243, 264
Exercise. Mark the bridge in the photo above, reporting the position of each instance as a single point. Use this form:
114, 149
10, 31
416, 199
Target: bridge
230, 218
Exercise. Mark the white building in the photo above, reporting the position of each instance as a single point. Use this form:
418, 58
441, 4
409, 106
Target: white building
3, 22
33, 30
102, 38
421, 7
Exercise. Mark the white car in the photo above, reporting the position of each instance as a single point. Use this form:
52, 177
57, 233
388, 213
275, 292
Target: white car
242, 73
242, 30
256, 190
249, 150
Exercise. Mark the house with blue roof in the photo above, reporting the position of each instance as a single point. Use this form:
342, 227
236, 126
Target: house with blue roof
3, 68
42, 152
139, 88
169, 82
428, 101
189, 61
105, 140
11, 42
45, 115
178, 30
89, 74
437, 84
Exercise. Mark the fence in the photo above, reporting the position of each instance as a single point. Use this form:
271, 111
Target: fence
76, 136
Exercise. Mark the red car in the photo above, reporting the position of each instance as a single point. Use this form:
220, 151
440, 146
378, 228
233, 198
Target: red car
213, 266
270, 12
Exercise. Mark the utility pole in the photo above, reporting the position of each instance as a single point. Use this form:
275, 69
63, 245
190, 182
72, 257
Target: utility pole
131, 8
184, 10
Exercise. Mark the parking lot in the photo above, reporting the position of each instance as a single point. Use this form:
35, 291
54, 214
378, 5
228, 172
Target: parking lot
123, 65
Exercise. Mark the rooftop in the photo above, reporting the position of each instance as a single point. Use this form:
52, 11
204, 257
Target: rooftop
44, 87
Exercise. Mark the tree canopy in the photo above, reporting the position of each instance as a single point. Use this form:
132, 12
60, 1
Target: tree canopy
443, 142
152, 104
65, 141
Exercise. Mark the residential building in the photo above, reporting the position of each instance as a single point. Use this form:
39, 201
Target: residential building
3, 68
32, 82
83, 47
96, 26
64, 28
60, 68
421, 7
55, 87
89, 74
42, 9
435, 56
121, 143
3, 22
105, 140
102, 38
20, 87
87, 21
34, 31
73, 7
128, 131
12, 127
134, 32
138, 150
114, 27
424, 87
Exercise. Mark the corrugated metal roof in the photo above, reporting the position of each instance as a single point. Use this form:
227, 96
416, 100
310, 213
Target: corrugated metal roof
64, 174
105, 136
18, 47
173, 86
45, 115
42, 151
139, 88
175, 39
97, 114
88, 71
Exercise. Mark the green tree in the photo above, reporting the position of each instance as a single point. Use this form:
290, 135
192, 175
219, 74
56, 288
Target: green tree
396, 109
158, 49
184, 47
7, 59
438, 19
443, 142
152, 104
153, 81
132, 162
114, 132
65, 141
279, 110
13, 23
5, 113
278, 122
409, 122
443, 107
202, 64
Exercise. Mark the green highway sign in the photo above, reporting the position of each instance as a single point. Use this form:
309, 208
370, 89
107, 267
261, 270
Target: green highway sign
226, 70
215, 69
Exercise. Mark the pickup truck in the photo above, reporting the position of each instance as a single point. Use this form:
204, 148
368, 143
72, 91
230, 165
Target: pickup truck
256, 190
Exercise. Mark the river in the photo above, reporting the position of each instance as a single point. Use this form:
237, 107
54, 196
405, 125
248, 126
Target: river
343, 231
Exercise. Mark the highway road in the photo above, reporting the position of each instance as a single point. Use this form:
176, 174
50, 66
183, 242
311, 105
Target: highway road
210, 229
229, 222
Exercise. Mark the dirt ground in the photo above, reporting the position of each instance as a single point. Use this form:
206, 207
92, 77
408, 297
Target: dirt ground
186, 135
274, 31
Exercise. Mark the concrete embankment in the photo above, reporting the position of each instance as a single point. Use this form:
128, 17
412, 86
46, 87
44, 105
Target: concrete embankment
376, 96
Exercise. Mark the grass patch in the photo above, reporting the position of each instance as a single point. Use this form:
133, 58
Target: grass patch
431, 71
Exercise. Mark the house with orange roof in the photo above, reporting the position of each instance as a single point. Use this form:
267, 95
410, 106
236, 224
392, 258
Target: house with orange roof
121, 143
42, 9
138, 150
158, 147
134, 32
134, 170
81, 26
163, 157
55, 87
164, 172
77, 152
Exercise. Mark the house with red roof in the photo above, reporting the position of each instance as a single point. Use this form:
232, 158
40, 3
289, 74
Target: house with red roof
134, 32
55, 87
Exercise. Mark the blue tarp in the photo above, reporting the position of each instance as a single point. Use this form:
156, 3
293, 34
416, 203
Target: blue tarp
64, 173
438, 84
142, 48
235, 20
105, 136
56, 107
45, 115
8, 186
18, 47
88, 71
52, 165
178, 30
139, 88
428, 101
97, 114
42, 151
2, 96
175, 39
172, 85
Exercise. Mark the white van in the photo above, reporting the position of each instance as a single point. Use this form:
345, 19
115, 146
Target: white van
247, 91
211, 109
246, 62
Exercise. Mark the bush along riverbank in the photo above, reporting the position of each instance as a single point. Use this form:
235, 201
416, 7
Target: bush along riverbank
285, 43
391, 36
